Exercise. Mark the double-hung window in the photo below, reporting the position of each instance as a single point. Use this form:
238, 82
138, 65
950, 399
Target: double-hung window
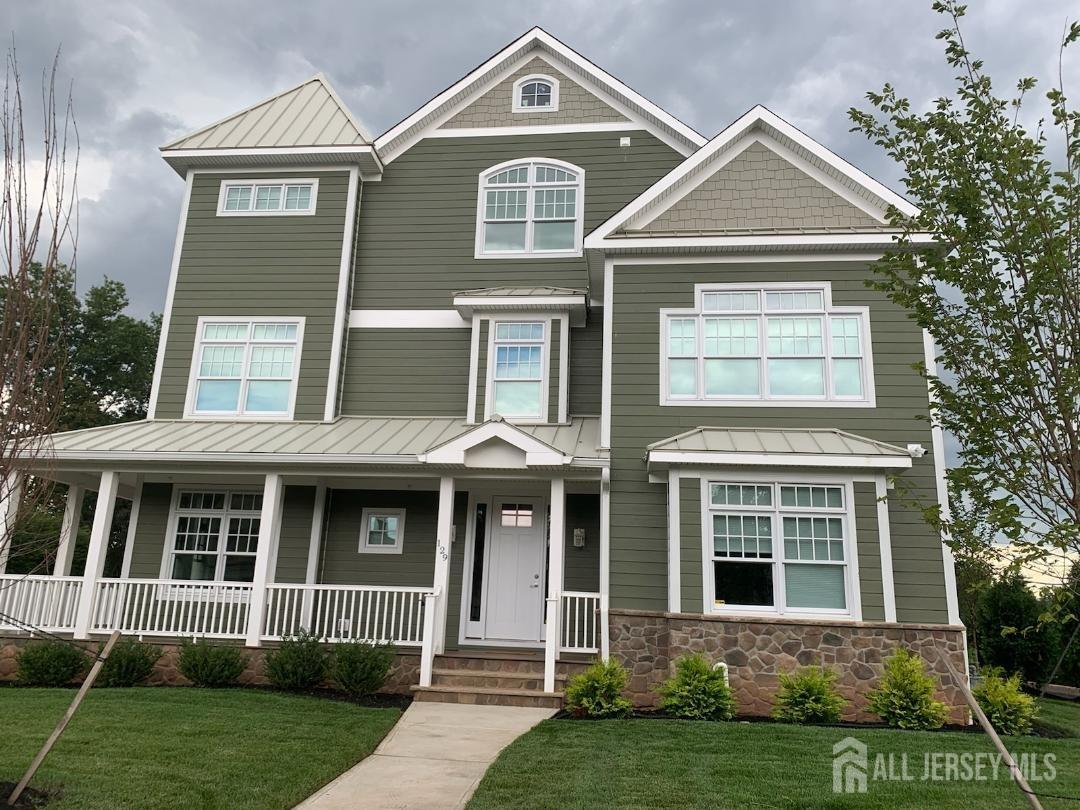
215, 535
517, 369
770, 344
245, 368
779, 547
531, 207
252, 198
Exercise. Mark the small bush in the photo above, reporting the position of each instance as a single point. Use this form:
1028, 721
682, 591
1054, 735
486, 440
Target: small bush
1009, 710
360, 668
905, 696
300, 663
50, 663
207, 664
697, 691
598, 691
129, 663
808, 695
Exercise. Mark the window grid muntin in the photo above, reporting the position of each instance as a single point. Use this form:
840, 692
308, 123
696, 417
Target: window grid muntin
533, 92
734, 304
279, 197
382, 530
212, 519
515, 337
228, 350
779, 559
535, 180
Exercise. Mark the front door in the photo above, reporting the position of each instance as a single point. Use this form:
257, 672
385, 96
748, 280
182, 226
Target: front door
514, 606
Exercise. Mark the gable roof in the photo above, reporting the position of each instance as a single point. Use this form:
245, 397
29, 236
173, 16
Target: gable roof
536, 42
628, 227
307, 119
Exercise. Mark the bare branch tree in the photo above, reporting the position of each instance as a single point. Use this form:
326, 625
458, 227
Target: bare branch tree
38, 236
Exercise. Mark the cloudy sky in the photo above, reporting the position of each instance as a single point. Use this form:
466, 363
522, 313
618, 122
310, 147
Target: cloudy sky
146, 71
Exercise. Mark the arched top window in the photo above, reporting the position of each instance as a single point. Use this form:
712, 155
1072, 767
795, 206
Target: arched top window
530, 207
536, 94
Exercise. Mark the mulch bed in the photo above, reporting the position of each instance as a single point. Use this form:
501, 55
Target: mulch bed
31, 797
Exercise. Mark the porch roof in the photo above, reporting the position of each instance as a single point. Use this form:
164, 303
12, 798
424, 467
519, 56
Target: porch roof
346, 440
804, 447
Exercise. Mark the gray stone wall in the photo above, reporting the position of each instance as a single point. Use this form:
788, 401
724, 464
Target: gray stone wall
757, 651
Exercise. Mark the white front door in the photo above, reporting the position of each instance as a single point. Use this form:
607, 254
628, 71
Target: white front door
514, 591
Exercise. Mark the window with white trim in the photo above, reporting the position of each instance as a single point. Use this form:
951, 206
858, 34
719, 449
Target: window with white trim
215, 535
779, 547
253, 198
530, 208
383, 531
517, 367
767, 343
245, 368
536, 94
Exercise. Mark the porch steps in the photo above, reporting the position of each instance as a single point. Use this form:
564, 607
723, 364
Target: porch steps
495, 678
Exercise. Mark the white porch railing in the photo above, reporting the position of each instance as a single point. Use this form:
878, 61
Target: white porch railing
46, 602
157, 607
580, 631
347, 612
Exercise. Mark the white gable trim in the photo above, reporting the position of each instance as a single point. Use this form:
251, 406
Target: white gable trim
537, 453
533, 43
666, 191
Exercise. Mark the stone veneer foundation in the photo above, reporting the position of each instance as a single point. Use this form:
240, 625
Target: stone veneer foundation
404, 673
757, 650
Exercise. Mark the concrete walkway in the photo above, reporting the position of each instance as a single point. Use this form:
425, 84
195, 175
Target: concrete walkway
433, 758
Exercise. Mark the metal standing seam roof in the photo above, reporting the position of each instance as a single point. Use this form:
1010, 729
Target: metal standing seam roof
395, 439
309, 114
809, 441
522, 292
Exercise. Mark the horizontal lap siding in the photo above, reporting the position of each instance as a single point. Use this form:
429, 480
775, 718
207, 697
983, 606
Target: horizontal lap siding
407, 372
866, 532
150, 531
553, 371
581, 566
586, 365
285, 266
691, 583
638, 525
297, 509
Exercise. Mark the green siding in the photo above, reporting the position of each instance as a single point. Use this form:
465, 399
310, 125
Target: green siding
417, 226
258, 266
866, 531
691, 583
553, 371
581, 566
296, 512
638, 531
586, 365
406, 372
150, 531
481, 370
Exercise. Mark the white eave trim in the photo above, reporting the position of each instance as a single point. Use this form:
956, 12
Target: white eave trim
707, 458
363, 155
838, 241
467, 304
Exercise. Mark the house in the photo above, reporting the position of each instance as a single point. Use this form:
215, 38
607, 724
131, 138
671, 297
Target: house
538, 374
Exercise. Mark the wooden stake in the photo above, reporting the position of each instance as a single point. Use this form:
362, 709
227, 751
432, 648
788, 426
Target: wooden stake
49, 743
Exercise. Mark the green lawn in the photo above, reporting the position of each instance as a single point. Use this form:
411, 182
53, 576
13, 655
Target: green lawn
1060, 717
664, 763
191, 748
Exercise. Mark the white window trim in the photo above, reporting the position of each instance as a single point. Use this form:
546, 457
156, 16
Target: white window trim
365, 517
529, 253
545, 367
189, 400
169, 550
266, 181
700, 400
852, 590
516, 98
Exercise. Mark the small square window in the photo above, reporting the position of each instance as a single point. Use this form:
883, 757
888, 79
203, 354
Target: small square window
382, 531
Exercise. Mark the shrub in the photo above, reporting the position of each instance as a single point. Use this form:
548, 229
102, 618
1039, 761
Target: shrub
598, 691
129, 663
207, 664
697, 691
50, 663
300, 663
808, 695
1009, 710
360, 668
1009, 633
905, 696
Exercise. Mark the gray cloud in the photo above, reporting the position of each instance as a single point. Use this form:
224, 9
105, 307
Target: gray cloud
145, 71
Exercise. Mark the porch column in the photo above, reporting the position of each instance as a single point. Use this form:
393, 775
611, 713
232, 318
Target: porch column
69, 531
269, 526
314, 542
434, 640
605, 561
95, 554
556, 546
10, 498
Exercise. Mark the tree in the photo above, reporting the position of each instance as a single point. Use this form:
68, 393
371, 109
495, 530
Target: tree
1009, 632
37, 216
999, 292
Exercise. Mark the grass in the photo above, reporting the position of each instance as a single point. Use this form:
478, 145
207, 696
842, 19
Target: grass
1059, 717
193, 748
667, 763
